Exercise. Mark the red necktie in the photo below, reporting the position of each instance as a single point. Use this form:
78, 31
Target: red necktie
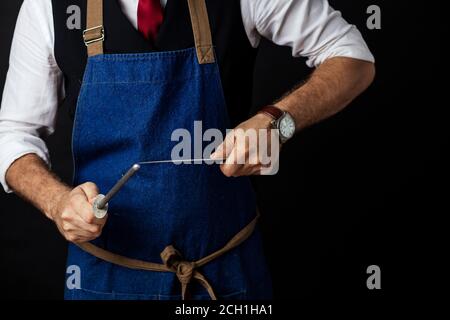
150, 17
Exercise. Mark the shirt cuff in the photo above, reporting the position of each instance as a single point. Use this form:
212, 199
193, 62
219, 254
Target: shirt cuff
14, 152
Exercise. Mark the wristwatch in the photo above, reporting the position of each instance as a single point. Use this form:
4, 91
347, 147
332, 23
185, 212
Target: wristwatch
282, 121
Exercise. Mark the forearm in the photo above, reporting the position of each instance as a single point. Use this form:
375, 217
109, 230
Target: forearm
330, 88
31, 179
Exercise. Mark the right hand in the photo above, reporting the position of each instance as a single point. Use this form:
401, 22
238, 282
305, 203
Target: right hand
74, 214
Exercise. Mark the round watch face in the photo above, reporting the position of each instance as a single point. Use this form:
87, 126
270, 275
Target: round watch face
287, 126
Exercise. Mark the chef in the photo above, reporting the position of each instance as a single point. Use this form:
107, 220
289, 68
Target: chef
133, 73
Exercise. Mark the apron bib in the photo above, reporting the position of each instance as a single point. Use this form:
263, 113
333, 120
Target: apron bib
174, 231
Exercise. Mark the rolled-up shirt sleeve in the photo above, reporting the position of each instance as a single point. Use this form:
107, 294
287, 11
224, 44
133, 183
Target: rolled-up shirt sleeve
33, 88
312, 28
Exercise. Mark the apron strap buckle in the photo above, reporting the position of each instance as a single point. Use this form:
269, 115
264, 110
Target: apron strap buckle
93, 35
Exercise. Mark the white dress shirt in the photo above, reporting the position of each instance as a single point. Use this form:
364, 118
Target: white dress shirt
34, 85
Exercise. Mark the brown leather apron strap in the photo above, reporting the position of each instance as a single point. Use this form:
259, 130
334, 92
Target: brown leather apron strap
173, 260
202, 31
94, 35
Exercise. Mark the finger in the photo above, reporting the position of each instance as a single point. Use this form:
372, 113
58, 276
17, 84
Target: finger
81, 236
246, 170
224, 150
253, 157
231, 170
239, 156
256, 171
84, 234
77, 239
267, 148
92, 229
90, 190
241, 147
266, 166
72, 232
270, 169
231, 166
84, 209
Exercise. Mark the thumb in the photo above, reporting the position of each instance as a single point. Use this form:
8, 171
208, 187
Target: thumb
90, 190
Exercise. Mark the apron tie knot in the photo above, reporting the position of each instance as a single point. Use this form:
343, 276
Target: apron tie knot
173, 261
185, 271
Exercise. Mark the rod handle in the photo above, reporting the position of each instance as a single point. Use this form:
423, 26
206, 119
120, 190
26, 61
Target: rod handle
99, 213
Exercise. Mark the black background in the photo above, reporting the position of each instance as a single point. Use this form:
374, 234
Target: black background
360, 189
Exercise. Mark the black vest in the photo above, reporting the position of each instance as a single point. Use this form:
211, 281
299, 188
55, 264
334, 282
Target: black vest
235, 55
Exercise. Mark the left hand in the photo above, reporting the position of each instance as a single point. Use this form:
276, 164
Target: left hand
242, 157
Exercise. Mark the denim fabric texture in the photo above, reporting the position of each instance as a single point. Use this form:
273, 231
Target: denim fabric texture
129, 105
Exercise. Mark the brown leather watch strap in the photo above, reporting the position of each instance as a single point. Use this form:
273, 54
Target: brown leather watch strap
272, 111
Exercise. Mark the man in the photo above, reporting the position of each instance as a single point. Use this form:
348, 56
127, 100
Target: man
153, 68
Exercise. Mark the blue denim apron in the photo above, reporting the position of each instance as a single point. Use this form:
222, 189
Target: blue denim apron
128, 108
